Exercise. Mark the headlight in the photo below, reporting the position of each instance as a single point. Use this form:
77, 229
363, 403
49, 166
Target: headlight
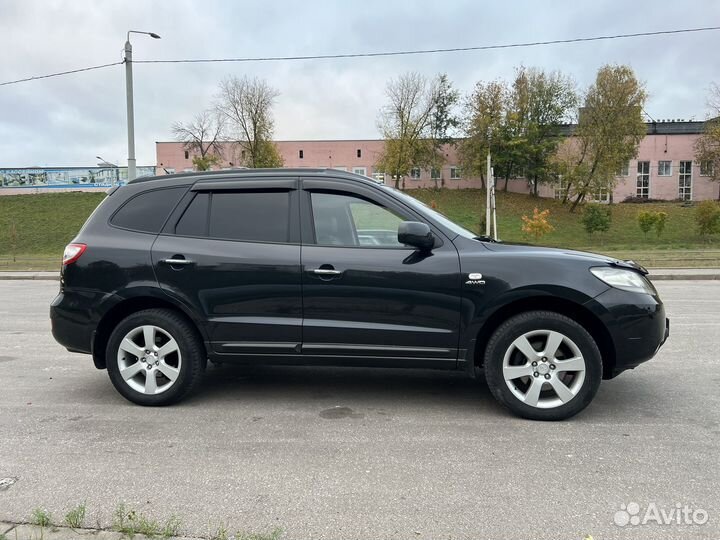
627, 280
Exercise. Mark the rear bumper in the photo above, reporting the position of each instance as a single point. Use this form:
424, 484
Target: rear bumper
70, 321
637, 324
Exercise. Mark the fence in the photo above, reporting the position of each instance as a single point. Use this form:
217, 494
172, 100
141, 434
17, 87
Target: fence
41, 178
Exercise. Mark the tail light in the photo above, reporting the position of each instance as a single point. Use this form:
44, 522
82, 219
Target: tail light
73, 252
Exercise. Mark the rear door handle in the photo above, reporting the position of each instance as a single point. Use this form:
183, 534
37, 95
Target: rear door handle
176, 262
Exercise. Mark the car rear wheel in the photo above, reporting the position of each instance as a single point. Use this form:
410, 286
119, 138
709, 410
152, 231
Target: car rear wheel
543, 366
155, 357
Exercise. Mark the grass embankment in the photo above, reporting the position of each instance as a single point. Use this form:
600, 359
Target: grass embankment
678, 246
44, 223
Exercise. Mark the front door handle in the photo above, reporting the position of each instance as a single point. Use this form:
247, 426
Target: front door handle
327, 272
176, 262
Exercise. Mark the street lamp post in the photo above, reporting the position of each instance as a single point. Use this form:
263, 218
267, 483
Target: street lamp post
129, 95
104, 162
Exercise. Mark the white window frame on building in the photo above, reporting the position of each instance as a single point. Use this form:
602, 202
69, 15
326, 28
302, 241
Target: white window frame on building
340, 168
435, 173
706, 167
664, 168
560, 188
415, 173
685, 180
624, 170
642, 184
360, 170
378, 175
602, 195
455, 173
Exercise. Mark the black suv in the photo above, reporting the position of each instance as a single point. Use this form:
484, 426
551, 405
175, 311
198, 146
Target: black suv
322, 267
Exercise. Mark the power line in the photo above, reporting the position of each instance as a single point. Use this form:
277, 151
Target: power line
428, 51
90, 68
376, 54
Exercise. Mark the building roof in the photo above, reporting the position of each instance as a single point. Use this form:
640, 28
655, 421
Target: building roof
670, 127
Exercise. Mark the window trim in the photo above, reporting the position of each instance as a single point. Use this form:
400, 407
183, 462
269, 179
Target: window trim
638, 188
458, 173
372, 193
709, 171
249, 185
671, 167
685, 176
402, 215
143, 192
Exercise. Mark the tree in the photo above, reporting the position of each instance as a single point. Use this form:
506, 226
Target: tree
608, 134
707, 146
596, 218
406, 123
539, 103
646, 221
246, 108
202, 135
484, 125
538, 225
519, 124
707, 218
205, 163
443, 121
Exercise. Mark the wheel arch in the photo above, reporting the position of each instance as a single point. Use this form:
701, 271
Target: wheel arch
562, 306
126, 307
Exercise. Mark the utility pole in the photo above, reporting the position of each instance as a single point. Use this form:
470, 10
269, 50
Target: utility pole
129, 98
488, 205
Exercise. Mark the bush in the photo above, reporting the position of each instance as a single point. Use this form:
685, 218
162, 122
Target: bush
660, 221
632, 199
646, 221
596, 218
538, 225
707, 218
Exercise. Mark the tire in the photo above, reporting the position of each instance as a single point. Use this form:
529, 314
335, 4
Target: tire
567, 371
176, 361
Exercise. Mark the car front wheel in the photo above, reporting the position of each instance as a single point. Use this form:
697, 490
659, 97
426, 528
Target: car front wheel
543, 366
155, 357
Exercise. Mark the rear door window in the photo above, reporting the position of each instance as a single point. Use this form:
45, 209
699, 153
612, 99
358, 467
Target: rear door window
251, 216
147, 211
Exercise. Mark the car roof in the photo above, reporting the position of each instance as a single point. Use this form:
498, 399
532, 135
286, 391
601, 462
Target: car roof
254, 174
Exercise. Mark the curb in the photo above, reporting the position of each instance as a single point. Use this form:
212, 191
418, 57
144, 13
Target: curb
24, 531
20, 277
684, 277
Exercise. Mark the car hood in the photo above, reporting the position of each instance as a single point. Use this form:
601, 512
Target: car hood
538, 251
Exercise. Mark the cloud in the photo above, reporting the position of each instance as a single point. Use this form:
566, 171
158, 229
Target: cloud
69, 120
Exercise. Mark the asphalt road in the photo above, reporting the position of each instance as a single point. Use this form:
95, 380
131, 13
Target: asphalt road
362, 454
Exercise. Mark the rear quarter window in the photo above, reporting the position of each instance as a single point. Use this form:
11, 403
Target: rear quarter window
147, 211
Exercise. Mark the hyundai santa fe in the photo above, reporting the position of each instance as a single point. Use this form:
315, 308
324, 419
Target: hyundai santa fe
322, 267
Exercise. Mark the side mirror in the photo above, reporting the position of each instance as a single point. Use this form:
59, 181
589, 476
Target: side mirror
416, 234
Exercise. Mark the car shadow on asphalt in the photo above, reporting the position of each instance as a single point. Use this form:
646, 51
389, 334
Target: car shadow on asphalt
410, 388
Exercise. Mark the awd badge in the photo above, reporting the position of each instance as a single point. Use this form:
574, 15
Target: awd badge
475, 278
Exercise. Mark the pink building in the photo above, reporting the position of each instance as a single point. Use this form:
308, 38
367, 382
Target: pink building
664, 168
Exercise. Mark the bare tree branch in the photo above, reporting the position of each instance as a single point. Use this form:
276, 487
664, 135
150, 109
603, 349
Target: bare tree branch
203, 134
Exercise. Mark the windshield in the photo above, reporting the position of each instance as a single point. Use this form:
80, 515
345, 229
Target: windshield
437, 216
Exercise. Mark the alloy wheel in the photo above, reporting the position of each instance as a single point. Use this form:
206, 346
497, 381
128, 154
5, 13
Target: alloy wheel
149, 360
544, 368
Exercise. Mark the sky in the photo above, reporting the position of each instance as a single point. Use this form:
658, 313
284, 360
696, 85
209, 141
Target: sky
67, 121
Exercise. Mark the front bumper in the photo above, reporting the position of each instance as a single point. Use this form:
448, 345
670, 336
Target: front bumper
637, 324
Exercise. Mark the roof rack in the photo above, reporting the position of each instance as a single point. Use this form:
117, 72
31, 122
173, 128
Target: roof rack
236, 174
